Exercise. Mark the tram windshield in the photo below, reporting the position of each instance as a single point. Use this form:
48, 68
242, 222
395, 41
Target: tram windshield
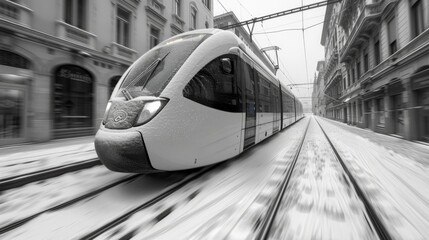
152, 72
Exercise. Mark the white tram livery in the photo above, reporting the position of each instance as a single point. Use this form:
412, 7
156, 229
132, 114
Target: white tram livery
196, 99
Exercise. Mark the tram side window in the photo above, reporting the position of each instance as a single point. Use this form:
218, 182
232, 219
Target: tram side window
264, 95
287, 105
216, 85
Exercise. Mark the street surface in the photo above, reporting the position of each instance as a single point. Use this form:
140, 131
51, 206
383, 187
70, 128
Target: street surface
231, 200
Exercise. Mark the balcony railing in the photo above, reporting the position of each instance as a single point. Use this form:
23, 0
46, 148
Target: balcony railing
371, 11
335, 73
16, 12
74, 34
413, 47
123, 52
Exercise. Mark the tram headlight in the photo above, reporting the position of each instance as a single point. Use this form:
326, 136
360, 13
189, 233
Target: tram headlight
150, 110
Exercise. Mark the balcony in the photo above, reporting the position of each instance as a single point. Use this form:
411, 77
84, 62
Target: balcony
155, 12
334, 75
178, 23
123, 52
369, 17
331, 65
16, 13
418, 46
76, 35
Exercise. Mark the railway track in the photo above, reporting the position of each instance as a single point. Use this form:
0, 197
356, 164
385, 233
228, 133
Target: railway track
172, 189
374, 222
20, 222
272, 210
23, 179
372, 213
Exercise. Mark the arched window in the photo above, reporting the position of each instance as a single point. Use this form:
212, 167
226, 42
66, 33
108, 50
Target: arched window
193, 23
73, 89
13, 60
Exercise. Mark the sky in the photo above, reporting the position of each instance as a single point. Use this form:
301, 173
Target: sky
298, 61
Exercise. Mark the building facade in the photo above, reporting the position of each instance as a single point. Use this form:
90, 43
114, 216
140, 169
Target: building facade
379, 78
60, 60
318, 95
229, 18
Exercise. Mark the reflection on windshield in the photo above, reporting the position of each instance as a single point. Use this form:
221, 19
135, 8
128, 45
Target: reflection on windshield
151, 73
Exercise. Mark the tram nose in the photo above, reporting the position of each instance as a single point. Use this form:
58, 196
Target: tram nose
122, 151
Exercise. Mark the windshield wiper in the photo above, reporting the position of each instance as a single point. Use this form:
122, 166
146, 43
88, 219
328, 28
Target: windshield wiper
156, 64
127, 94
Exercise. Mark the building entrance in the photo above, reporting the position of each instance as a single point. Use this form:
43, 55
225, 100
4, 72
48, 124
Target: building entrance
12, 113
423, 114
72, 105
398, 115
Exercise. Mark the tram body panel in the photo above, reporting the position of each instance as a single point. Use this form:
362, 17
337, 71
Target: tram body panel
190, 143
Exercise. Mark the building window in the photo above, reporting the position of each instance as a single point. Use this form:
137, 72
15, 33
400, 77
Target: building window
12, 103
358, 70
348, 79
75, 13
73, 89
13, 60
359, 107
207, 4
365, 61
177, 7
353, 76
377, 52
193, 18
154, 36
392, 36
417, 22
380, 111
123, 27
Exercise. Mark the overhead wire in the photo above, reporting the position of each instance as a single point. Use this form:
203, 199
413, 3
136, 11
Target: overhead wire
222, 6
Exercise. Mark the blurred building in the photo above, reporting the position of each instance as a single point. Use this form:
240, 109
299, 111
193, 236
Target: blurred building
229, 18
377, 65
60, 59
318, 98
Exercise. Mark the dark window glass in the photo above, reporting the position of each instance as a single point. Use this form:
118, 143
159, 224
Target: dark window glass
358, 70
417, 17
365, 62
177, 7
13, 60
122, 27
264, 94
11, 113
392, 36
73, 89
151, 73
154, 37
377, 52
112, 84
75, 13
216, 87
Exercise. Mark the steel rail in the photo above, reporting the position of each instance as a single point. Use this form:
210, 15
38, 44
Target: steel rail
380, 229
23, 179
115, 222
272, 210
21, 222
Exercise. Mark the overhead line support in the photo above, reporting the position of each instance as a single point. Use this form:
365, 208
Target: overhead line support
279, 14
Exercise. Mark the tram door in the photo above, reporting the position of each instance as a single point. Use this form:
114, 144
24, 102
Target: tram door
250, 104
